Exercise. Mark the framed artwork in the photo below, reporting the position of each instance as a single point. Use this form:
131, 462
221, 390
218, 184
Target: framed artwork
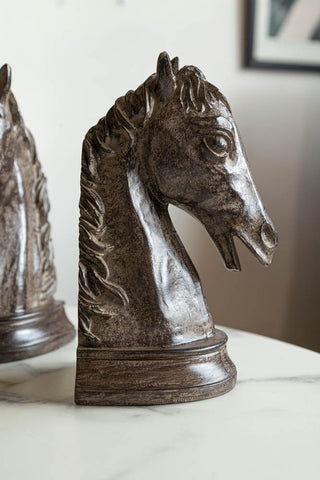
283, 34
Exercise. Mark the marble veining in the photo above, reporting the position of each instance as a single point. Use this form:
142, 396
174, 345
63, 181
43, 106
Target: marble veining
270, 422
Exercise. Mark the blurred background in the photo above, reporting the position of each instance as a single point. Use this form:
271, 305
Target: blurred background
72, 58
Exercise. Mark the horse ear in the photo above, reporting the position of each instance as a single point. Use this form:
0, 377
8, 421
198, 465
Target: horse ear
5, 80
166, 78
175, 65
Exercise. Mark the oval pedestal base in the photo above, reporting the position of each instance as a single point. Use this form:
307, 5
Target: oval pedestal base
184, 373
34, 333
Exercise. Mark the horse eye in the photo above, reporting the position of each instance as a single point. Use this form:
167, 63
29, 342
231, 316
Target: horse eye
217, 144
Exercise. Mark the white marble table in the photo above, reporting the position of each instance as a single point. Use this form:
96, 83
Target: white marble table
268, 427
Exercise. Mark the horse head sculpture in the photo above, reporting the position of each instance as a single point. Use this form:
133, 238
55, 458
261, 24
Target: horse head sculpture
27, 273
31, 322
171, 141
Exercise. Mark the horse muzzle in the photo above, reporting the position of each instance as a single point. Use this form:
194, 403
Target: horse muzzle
261, 239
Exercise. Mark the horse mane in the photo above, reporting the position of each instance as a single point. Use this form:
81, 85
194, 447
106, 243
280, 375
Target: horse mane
114, 137
42, 229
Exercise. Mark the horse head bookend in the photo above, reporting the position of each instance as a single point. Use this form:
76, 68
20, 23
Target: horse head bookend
31, 322
145, 333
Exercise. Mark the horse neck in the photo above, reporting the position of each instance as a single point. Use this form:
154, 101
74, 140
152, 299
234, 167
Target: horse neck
14, 232
145, 257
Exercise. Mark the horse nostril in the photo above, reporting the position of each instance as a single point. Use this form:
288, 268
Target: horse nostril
269, 235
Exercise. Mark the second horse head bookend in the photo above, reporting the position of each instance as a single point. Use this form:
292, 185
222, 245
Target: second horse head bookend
31, 322
145, 333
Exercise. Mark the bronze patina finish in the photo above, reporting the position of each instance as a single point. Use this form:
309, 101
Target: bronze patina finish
31, 322
145, 333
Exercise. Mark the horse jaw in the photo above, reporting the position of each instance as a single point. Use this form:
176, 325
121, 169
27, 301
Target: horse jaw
227, 250
261, 241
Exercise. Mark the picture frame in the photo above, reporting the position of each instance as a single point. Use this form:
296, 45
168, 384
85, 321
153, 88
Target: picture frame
283, 35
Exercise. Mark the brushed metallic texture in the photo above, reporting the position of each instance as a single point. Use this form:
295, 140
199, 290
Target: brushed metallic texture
27, 272
173, 140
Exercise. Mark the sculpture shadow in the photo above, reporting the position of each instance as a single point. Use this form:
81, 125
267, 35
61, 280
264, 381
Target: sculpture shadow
29, 385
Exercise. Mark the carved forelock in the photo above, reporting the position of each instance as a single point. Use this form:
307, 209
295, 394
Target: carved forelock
195, 93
